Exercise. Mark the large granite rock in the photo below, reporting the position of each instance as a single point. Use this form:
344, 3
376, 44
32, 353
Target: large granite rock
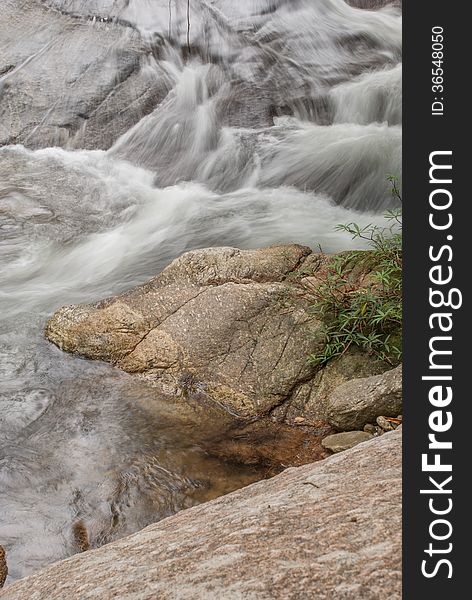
221, 323
70, 81
326, 530
360, 401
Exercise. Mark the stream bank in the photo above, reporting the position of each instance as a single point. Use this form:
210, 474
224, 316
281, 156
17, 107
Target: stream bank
328, 530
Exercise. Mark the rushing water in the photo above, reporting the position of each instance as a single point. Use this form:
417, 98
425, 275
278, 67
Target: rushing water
211, 165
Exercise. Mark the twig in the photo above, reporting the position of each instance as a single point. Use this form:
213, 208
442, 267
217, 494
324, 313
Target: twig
188, 26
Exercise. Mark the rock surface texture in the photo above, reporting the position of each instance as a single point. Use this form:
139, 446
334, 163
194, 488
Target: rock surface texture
78, 74
3, 566
88, 79
360, 401
326, 530
339, 442
370, 4
225, 324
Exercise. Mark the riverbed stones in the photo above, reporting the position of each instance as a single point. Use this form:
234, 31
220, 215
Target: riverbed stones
233, 326
331, 529
339, 442
360, 401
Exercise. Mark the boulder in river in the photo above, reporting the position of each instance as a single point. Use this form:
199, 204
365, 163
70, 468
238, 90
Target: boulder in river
233, 326
327, 530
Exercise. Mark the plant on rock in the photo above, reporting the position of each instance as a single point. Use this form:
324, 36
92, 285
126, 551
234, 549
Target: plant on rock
369, 316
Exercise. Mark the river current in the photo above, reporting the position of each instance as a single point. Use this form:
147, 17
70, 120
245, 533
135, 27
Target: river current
215, 163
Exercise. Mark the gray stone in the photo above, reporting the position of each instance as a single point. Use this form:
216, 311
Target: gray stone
88, 78
338, 442
361, 401
373, 4
326, 530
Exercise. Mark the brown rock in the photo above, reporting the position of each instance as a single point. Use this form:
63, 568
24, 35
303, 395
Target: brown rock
231, 325
80, 536
3, 566
326, 530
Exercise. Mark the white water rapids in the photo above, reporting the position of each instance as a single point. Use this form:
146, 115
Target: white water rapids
282, 119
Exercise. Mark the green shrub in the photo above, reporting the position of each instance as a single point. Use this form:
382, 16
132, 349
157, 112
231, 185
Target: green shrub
370, 316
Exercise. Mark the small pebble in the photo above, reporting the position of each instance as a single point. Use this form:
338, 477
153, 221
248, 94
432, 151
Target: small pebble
384, 424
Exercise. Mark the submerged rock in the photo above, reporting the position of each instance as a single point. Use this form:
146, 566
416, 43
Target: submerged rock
339, 442
324, 530
223, 324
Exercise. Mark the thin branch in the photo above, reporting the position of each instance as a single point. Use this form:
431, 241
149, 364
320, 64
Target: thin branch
188, 26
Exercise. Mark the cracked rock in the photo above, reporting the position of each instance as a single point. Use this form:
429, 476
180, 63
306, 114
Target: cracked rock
238, 322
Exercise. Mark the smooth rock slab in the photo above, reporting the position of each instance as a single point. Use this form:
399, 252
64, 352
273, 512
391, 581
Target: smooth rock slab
339, 442
329, 530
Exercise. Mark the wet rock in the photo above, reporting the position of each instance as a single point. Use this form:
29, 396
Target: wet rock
3, 566
338, 442
271, 445
361, 401
372, 4
349, 503
80, 536
96, 69
222, 324
89, 79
